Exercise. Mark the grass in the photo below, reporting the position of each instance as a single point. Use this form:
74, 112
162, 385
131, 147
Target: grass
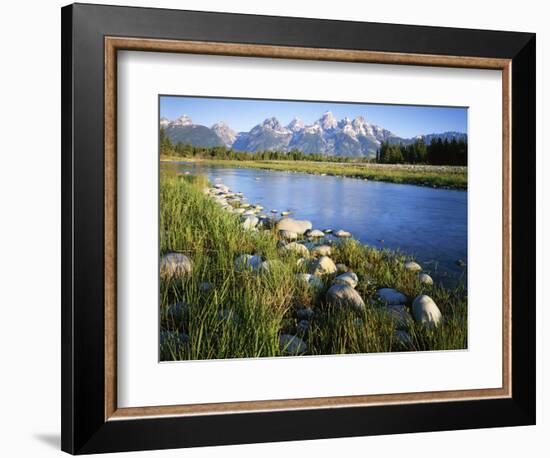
423, 175
244, 313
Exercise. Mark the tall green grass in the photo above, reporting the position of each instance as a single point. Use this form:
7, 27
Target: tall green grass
244, 313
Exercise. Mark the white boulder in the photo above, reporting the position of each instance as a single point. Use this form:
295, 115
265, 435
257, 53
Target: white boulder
426, 311
293, 225
348, 278
425, 279
175, 265
345, 296
322, 266
391, 296
412, 266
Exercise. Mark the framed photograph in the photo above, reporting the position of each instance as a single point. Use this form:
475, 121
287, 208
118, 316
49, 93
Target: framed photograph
282, 228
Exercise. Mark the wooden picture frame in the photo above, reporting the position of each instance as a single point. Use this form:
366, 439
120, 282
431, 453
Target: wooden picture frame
91, 37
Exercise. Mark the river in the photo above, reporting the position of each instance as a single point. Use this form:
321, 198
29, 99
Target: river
426, 223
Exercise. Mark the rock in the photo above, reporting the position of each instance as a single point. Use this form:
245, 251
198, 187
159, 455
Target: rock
345, 296
250, 222
289, 235
310, 280
285, 213
249, 213
270, 266
322, 266
293, 225
177, 312
342, 234
315, 233
303, 326
245, 205
247, 262
341, 268
460, 263
425, 278
229, 315
175, 264
403, 338
327, 231
305, 314
412, 266
176, 341
239, 210
294, 247
426, 311
205, 286
292, 345
399, 315
321, 250
391, 296
348, 278
274, 211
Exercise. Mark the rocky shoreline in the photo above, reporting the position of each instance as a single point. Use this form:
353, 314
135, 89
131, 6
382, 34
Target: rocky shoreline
313, 250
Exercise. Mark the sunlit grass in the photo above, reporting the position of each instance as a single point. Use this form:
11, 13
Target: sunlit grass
243, 314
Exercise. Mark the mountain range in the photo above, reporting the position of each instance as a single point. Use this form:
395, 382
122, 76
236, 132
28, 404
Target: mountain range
329, 136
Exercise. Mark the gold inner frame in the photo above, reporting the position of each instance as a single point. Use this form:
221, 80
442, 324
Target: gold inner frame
114, 44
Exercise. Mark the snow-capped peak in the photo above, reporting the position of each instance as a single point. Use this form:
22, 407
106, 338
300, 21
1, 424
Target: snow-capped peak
274, 125
327, 121
226, 134
295, 125
164, 122
183, 120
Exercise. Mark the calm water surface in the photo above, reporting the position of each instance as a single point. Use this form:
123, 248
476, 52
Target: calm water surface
429, 224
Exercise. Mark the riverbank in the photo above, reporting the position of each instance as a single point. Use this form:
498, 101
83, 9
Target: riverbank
231, 287
447, 177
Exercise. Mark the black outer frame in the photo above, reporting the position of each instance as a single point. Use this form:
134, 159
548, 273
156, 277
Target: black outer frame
84, 429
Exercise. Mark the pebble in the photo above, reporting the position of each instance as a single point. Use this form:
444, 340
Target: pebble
315, 233
303, 326
175, 340
176, 312
342, 234
305, 314
292, 345
403, 338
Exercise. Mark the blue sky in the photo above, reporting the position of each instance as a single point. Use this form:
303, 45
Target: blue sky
243, 114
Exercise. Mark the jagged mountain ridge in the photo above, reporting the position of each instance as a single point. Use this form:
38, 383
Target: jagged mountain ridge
327, 135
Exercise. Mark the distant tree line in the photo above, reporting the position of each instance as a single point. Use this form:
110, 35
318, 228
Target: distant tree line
438, 152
